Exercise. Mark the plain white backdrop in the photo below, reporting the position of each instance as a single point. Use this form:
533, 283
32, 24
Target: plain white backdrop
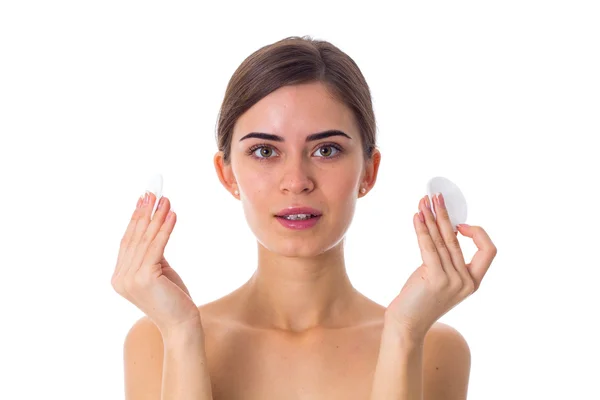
501, 97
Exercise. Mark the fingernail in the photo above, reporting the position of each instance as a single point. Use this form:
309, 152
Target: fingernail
441, 201
427, 203
463, 225
146, 198
160, 203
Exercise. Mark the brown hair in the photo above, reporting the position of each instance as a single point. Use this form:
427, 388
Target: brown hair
296, 60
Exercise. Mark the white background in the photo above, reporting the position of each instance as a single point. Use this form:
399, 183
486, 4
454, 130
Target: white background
501, 97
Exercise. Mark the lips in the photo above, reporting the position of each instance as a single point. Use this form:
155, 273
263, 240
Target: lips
298, 210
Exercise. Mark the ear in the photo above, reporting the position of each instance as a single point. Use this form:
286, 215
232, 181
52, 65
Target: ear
225, 173
370, 172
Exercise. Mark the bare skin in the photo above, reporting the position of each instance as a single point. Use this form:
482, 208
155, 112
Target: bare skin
249, 362
298, 329
246, 362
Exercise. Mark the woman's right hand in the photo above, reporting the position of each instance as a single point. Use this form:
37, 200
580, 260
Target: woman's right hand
142, 274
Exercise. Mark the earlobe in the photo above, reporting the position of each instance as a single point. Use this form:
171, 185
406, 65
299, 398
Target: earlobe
370, 175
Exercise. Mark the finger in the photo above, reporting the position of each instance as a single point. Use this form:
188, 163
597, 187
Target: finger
437, 239
429, 253
126, 239
486, 251
450, 238
138, 234
140, 256
156, 249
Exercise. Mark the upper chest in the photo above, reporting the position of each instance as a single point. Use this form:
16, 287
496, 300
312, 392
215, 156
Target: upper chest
246, 364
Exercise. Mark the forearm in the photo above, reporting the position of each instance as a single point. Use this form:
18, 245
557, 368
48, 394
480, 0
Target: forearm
185, 369
399, 370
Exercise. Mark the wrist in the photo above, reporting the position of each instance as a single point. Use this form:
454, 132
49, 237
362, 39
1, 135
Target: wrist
183, 333
397, 330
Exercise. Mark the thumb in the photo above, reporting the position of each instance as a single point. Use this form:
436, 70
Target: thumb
173, 276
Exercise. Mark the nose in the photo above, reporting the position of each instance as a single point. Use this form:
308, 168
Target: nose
296, 178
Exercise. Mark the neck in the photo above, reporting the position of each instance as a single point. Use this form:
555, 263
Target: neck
298, 294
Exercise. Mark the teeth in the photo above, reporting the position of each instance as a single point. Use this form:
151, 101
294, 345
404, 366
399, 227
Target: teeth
298, 216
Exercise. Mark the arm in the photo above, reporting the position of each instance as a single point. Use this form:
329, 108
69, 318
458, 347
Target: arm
172, 367
398, 374
434, 368
419, 358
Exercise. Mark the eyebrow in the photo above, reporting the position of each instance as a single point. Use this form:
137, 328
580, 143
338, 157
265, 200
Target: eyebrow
309, 138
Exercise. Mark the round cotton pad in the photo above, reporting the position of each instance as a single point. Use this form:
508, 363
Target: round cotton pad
155, 185
453, 198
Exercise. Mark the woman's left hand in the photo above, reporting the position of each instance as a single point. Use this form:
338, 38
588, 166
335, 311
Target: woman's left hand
443, 280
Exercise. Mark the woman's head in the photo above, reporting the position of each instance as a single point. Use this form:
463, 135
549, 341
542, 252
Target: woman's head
292, 61
276, 104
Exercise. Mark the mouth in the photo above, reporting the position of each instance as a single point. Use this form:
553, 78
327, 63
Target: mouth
298, 221
298, 212
298, 217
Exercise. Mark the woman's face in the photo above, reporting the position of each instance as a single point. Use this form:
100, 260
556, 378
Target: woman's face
271, 175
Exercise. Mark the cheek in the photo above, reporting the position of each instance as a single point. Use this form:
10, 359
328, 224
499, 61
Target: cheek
252, 180
341, 193
257, 185
343, 181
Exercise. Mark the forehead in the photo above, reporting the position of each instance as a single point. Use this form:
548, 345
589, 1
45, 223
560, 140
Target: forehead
297, 110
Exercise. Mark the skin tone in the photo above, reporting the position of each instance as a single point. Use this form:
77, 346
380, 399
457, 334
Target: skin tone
298, 328
300, 282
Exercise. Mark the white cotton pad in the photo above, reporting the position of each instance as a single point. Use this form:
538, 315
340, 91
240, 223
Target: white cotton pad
155, 185
453, 198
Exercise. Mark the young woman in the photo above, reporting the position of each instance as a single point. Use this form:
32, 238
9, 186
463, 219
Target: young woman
296, 141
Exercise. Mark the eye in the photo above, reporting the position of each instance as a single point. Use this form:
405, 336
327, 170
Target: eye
327, 154
264, 151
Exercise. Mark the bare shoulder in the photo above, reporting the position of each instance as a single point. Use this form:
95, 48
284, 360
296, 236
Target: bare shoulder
446, 363
143, 358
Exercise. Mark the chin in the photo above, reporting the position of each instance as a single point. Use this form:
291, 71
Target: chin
299, 243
